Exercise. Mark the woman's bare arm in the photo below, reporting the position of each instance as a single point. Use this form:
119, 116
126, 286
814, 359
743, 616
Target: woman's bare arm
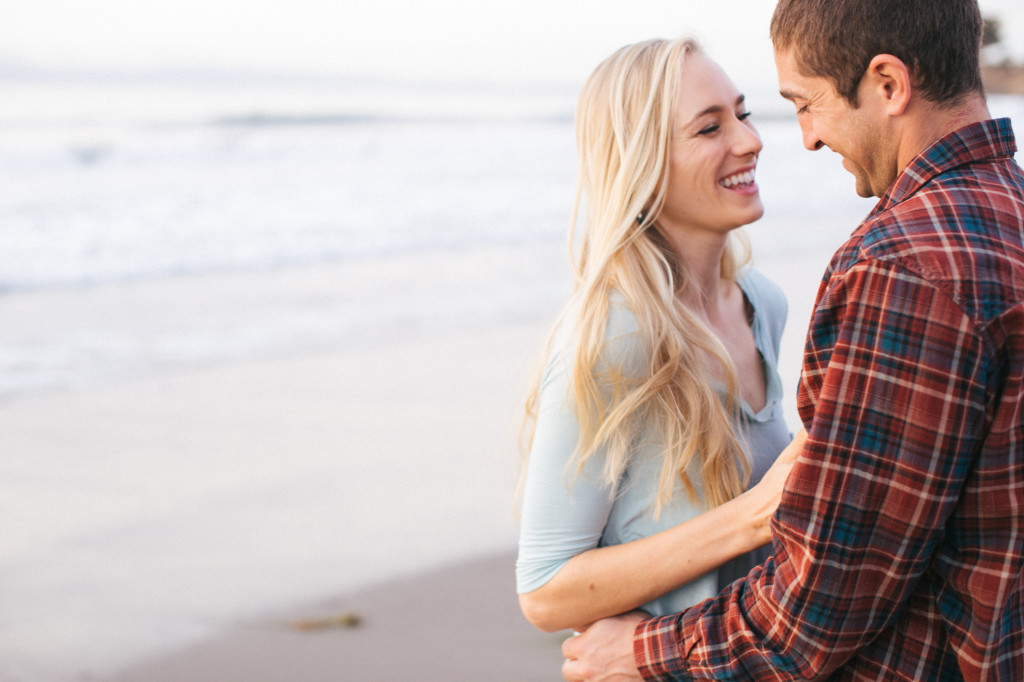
607, 581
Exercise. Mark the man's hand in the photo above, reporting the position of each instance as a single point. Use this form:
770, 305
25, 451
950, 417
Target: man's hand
603, 652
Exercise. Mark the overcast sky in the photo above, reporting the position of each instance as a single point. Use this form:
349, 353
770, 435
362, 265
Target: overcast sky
525, 40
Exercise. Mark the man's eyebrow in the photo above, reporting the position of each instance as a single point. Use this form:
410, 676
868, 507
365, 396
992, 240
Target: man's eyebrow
718, 108
786, 94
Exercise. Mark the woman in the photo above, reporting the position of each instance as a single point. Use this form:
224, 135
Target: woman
660, 400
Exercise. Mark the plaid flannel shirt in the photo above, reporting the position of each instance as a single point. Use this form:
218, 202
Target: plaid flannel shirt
899, 541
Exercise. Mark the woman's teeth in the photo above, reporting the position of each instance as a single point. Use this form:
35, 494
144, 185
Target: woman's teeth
744, 178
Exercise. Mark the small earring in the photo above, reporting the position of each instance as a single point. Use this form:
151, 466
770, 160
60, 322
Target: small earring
640, 217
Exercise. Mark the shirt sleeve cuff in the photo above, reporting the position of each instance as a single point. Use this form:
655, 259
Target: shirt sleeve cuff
657, 649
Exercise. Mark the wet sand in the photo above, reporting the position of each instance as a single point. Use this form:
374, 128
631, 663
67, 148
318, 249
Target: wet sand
460, 622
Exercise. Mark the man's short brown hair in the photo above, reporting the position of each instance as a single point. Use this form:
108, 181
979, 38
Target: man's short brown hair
938, 40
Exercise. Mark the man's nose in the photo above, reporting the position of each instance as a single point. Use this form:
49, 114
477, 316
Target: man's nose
811, 140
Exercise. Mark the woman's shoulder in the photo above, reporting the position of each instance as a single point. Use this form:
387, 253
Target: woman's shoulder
763, 293
622, 345
622, 319
769, 304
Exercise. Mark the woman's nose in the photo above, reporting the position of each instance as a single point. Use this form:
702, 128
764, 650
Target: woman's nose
748, 141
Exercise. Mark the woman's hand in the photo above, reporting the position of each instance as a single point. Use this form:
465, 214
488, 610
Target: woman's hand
763, 499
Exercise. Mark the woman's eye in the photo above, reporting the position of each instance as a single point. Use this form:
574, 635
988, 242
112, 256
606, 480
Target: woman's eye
744, 116
708, 130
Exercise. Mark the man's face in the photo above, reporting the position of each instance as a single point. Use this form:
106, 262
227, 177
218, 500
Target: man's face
827, 120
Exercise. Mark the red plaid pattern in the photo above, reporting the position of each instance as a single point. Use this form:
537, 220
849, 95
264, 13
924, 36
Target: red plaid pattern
899, 542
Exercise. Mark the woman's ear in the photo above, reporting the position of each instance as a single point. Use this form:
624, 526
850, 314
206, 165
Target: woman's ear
888, 78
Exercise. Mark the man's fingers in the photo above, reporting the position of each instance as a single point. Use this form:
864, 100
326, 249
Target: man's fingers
572, 670
570, 647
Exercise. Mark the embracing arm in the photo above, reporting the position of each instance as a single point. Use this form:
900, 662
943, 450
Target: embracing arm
894, 377
606, 581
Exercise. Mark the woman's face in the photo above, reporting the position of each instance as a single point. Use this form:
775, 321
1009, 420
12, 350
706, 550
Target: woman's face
713, 155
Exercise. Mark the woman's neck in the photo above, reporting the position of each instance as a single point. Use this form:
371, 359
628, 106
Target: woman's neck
702, 262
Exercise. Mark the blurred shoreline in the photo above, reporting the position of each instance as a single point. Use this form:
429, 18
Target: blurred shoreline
1005, 78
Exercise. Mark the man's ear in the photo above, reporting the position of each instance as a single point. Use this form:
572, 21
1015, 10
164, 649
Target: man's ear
889, 78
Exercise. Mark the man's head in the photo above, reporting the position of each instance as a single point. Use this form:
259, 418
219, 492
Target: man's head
938, 40
877, 80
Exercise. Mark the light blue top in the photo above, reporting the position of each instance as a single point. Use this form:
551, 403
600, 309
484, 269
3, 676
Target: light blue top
564, 515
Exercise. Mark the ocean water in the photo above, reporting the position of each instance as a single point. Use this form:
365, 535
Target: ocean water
120, 185
169, 189
126, 184
123, 184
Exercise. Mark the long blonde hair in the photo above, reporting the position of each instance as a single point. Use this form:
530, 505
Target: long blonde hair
624, 127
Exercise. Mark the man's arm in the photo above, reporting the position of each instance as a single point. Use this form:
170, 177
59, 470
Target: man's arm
894, 373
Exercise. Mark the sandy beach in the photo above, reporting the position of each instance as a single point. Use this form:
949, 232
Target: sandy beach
180, 506
459, 622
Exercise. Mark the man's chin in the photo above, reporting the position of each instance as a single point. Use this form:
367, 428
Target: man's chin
865, 191
863, 186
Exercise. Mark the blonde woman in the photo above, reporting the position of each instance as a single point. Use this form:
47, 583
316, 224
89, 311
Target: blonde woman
660, 402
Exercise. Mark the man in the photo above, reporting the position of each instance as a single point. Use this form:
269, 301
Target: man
899, 542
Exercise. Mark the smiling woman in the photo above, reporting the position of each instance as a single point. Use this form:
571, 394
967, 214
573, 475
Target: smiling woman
661, 398
713, 157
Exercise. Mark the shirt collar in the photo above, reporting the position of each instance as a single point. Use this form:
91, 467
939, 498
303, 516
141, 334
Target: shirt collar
981, 141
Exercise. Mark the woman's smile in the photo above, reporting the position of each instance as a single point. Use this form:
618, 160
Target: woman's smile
741, 181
